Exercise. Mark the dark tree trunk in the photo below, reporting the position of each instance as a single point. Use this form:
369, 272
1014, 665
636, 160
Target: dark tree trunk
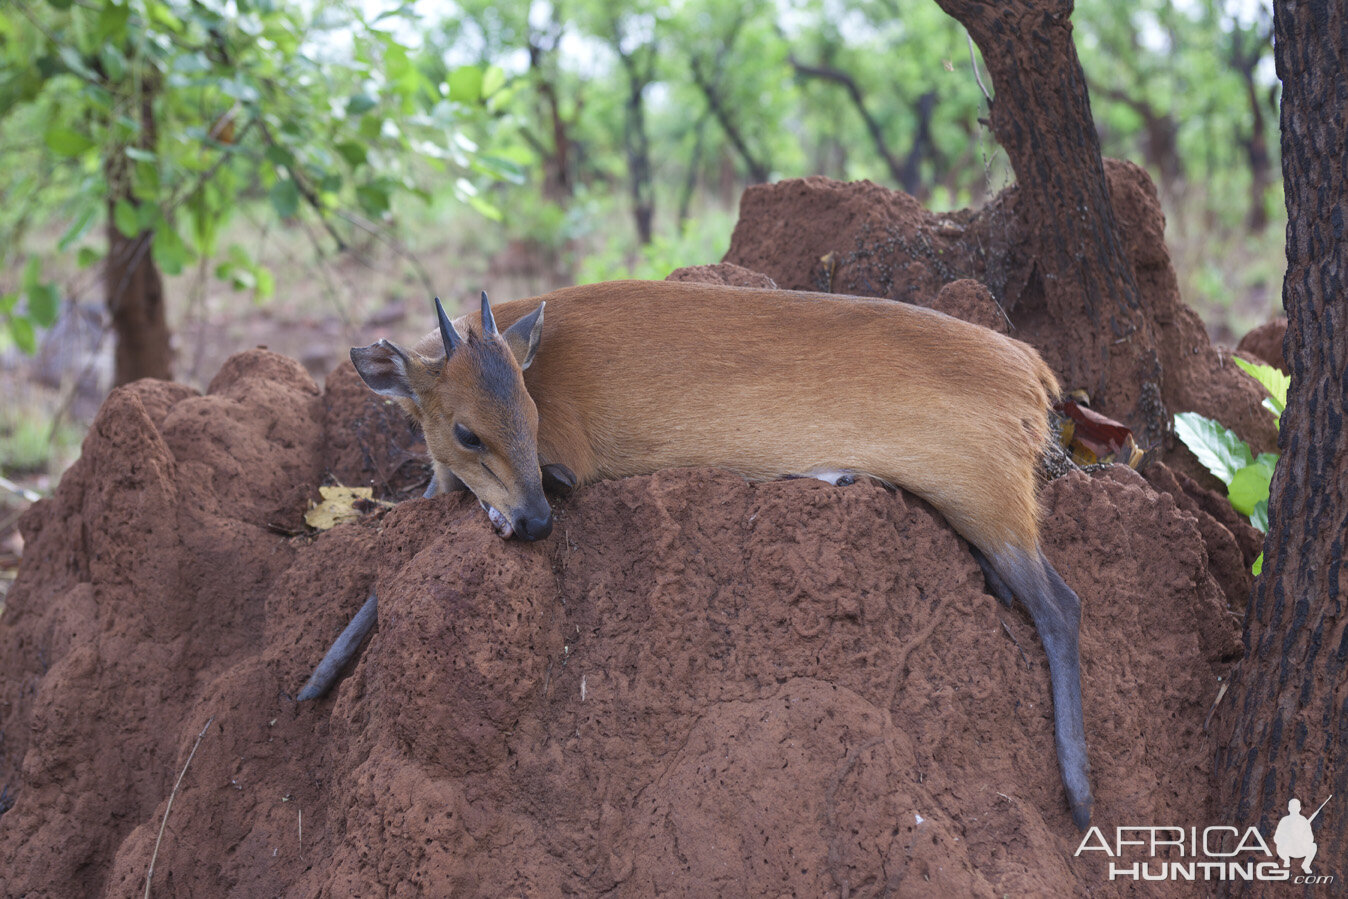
1160, 145
1287, 714
1246, 52
637, 142
558, 186
759, 171
853, 90
134, 290
923, 147
1075, 264
694, 167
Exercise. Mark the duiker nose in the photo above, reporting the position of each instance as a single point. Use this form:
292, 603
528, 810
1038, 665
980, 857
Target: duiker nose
534, 528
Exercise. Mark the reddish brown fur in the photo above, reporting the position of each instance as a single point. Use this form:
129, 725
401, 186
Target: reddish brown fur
632, 377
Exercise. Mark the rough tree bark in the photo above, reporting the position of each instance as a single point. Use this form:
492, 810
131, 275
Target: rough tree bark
1074, 263
134, 290
1287, 716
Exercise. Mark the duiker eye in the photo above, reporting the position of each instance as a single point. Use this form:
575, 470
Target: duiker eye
467, 438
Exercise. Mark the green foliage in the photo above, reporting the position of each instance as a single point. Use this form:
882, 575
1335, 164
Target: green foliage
1217, 447
331, 114
1247, 477
30, 444
1274, 380
695, 244
167, 116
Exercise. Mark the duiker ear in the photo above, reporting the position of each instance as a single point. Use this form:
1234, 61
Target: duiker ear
385, 368
524, 336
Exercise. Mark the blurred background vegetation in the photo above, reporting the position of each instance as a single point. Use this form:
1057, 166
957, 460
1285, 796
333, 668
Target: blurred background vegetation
305, 174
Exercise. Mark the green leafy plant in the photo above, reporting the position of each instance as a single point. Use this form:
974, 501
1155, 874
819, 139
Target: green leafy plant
1247, 477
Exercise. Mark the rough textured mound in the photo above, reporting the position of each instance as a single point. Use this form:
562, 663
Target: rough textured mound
1264, 343
697, 685
859, 238
726, 273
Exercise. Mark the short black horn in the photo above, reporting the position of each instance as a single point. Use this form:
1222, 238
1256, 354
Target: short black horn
488, 321
447, 332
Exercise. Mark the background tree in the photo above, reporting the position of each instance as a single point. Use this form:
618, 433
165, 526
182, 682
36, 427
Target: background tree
172, 113
1286, 711
1076, 265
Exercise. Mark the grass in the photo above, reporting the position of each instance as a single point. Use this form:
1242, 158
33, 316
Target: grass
33, 444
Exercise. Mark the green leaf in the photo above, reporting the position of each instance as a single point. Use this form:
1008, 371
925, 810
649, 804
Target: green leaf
1275, 381
238, 89
87, 256
354, 153
279, 155
1258, 567
76, 64
499, 168
1217, 447
1259, 517
373, 199
196, 63
493, 80
126, 218
7, 302
1249, 486
114, 62
169, 251
285, 198
67, 141
112, 20
266, 283
79, 227
465, 85
485, 209
359, 104
32, 273
21, 329
44, 303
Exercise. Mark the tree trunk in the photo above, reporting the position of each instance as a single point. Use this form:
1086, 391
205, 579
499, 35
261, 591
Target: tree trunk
694, 166
134, 290
638, 146
1287, 718
759, 171
849, 84
923, 147
1256, 151
557, 183
1074, 263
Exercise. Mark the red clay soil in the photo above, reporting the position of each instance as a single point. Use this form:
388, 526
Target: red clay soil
1264, 343
696, 686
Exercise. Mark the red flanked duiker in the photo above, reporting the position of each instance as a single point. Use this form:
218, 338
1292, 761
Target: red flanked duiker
629, 377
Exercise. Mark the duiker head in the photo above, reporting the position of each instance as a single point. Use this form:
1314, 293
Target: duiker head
479, 420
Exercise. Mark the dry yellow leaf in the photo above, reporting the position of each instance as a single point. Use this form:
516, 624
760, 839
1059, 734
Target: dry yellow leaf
338, 505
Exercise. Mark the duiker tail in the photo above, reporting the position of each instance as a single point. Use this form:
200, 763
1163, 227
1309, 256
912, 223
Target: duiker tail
1056, 612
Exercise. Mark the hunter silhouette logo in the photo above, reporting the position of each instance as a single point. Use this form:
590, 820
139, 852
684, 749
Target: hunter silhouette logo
1294, 838
1215, 853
